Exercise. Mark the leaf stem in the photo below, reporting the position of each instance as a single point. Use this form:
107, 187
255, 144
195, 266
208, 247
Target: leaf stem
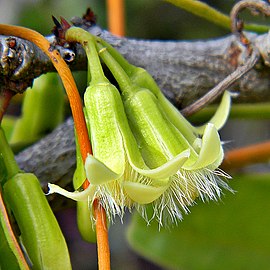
102, 237
116, 69
88, 42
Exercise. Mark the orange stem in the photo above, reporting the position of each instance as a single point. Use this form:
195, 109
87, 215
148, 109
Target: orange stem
116, 17
78, 115
102, 237
14, 243
244, 156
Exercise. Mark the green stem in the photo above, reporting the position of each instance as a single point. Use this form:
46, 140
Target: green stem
8, 156
204, 11
118, 72
88, 42
127, 67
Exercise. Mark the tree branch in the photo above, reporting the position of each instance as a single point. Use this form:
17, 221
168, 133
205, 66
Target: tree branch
184, 70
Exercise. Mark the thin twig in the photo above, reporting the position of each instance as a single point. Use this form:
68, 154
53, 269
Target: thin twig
253, 5
237, 25
222, 86
237, 28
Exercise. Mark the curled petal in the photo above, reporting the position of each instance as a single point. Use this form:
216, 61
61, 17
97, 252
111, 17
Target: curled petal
143, 194
167, 169
210, 149
76, 195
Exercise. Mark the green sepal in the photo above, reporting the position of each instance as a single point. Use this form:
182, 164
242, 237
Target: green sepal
105, 111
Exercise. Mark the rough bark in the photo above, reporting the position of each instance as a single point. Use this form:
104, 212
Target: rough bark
184, 70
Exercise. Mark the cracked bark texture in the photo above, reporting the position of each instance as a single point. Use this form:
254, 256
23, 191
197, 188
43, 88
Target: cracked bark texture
184, 70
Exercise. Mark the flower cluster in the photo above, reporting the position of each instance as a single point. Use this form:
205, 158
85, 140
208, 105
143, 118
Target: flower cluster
144, 151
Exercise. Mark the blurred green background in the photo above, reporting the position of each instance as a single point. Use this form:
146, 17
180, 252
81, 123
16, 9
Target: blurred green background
232, 234
144, 18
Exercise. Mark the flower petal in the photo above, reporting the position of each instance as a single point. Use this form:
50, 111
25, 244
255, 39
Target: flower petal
167, 169
210, 150
76, 195
97, 172
143, 194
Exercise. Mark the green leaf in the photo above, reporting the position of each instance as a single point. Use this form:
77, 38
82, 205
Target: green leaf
42, 111
7, 124
232, 234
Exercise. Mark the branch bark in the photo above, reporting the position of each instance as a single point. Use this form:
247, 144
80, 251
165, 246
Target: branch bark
185, 70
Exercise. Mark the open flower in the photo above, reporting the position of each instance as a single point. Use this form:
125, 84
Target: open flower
144, 150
